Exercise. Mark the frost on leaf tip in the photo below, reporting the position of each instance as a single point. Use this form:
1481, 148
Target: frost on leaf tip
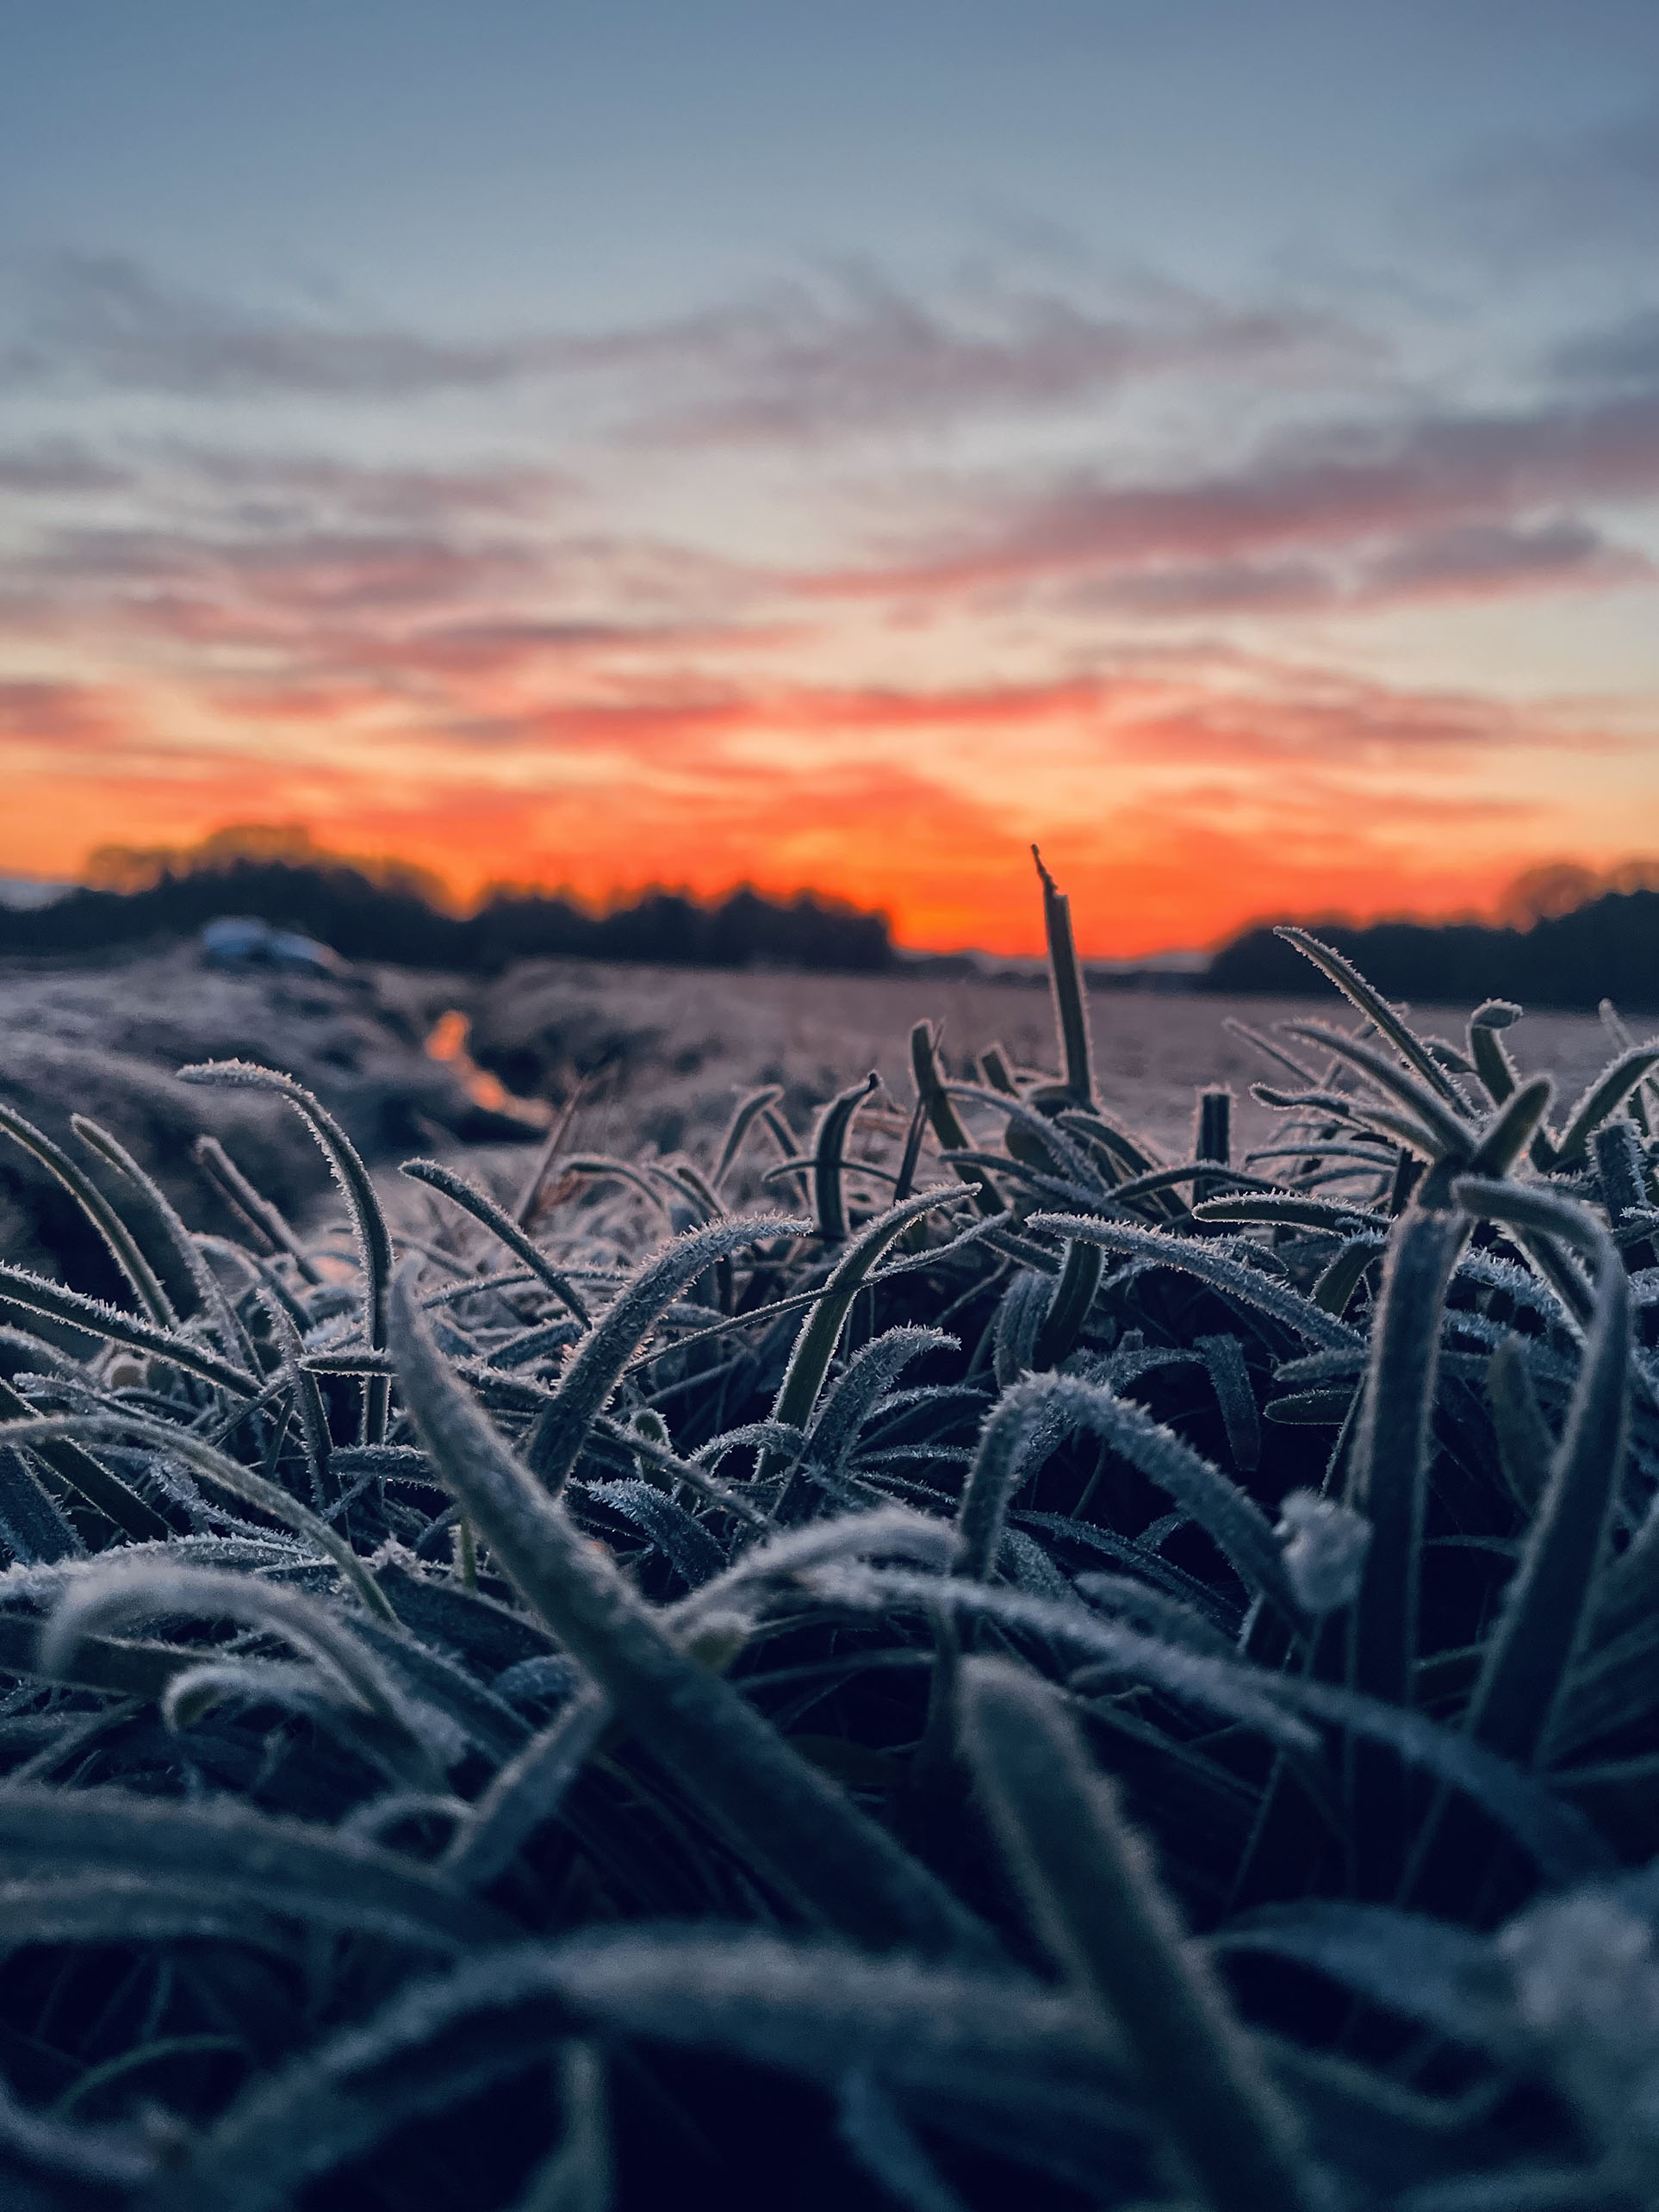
1324, 1550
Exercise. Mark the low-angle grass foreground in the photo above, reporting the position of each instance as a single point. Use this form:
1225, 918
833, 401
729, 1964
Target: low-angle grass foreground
943, 1659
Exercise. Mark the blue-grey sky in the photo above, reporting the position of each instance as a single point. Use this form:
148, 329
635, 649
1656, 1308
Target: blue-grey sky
606, 445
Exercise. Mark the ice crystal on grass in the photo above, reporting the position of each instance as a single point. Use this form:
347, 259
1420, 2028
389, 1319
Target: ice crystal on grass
1325, 1546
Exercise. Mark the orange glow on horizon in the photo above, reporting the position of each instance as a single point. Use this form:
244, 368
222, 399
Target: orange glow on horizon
1186, 888
1175, 809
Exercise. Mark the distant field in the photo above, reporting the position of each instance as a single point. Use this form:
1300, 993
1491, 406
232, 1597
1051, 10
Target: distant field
663, 1049
699, 1032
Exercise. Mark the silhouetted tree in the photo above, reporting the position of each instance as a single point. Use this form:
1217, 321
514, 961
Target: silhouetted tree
388, 919
1607, 949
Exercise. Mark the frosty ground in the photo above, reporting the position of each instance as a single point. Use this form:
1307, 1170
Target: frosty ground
658, 1053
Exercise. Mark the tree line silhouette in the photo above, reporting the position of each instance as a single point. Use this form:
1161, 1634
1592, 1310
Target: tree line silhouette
1607, 948
391, 920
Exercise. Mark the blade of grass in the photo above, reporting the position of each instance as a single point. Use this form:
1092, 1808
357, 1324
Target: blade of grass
933, 1098
122, 1244
1354, 988
500, 1224
556, 1441
356, 1186
1530, 1653
827, 1145
793, 1824
1094, 1900
265, 1219
815, 1346
1066, 980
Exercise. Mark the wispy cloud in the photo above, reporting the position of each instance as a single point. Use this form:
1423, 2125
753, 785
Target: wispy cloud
853, 351
1463, 502
857, 353
55, 467
106, 318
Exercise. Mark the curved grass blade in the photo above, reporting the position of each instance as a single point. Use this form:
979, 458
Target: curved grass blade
1560, 1841
116, 1907
120, 1505
933, 1097
19, 1287
557, 1439
527, 1793
744, 1115
1190, 1257
1557, 1838
886, 1532
1040, 1410
789, 1820
292, 1869
1603, 1099
1512, 1129
122, 1588
816, 2009
1019, 1316
122, 1244
501, 1225
1068, 1306
1388, 1471
1066, 980
35, 1530
1429, 1971
1358, 1115
811, 2008
211, 1296
1354, 987
1337, 1285
871, 1373
1487, 1049
827, 1147
1530, 1653
265, 1219
1224, 1686
601, 1164
1388, 1482
241, 1482
356, 1186
1277, 1211
1097, 1904
680, 1539
814, 1347
305, 1397
1229, 1378
1121, 1151
1449, 1126
1050, 1134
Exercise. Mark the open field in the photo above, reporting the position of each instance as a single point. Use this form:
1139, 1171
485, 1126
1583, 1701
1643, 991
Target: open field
1153, 1052
663, 1050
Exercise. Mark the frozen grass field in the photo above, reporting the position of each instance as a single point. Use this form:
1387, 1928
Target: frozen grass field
983, 1640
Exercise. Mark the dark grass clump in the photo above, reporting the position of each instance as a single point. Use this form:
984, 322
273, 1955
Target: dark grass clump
1028, 1674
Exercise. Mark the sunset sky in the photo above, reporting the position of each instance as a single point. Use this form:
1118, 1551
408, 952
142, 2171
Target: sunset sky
835, 445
